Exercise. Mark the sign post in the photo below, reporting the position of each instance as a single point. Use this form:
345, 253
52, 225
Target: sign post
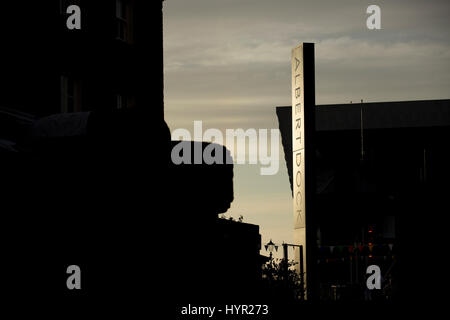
303, 127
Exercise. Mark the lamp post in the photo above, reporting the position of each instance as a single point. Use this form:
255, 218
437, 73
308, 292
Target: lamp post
270, 246
302, 273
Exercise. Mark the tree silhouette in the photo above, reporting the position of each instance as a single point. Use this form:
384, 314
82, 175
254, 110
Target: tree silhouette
281, 280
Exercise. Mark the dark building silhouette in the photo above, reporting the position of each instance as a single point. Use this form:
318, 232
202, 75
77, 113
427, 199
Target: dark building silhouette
241, 242
114, 61
381, 182
87, 176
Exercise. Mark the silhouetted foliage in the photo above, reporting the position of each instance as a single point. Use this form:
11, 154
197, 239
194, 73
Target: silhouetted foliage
240, 219
282, 281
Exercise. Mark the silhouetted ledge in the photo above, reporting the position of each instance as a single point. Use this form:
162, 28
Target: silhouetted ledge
207, 187
129, 139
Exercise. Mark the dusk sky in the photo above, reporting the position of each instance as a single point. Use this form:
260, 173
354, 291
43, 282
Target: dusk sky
227, 63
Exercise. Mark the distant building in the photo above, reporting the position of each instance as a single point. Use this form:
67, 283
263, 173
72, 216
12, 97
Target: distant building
381, 174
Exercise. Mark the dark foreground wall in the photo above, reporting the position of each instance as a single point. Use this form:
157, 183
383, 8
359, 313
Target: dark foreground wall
93, 184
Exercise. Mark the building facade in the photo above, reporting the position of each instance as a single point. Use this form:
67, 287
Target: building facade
113, 60
381, 177
86, 165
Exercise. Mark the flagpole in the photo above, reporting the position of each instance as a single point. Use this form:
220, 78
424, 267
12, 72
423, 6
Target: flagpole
362, 131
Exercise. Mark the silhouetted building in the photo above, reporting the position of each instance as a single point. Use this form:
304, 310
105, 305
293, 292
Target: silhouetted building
381, 180
240, 245
86, 165
113, 61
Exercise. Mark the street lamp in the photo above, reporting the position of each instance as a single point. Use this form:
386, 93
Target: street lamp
270, 246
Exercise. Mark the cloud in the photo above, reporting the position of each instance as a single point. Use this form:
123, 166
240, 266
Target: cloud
227, 62
354, 52
230, 59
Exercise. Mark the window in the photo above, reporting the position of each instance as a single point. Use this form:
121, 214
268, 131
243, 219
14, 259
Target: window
121, 101
124, 101
124, 14
70, 94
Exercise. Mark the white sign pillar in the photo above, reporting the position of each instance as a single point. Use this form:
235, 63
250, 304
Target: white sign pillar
303, 127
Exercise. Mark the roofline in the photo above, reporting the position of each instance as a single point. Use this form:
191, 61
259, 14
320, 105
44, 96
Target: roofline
374, 102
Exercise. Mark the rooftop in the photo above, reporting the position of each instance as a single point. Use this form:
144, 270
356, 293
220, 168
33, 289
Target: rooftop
379, 115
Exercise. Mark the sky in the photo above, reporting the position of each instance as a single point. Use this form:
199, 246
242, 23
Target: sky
227, 63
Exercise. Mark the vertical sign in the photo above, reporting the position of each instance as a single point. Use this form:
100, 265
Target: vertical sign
303, 126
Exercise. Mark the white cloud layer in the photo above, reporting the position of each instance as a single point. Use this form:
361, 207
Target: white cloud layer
227, 63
